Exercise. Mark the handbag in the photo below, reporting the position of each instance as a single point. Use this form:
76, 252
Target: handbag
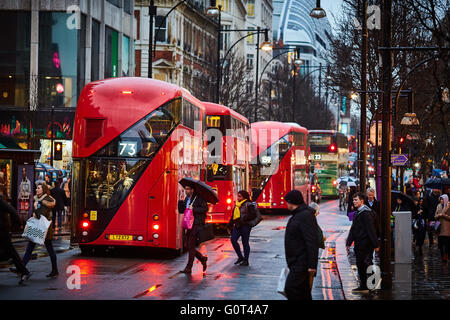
36, 229
188, 218
320, 235
258, 218
437, 226
351, 215
282, 281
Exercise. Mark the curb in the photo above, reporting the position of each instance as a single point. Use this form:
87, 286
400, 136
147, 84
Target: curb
347, 275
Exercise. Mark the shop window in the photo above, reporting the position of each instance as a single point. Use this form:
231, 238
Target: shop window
61, 60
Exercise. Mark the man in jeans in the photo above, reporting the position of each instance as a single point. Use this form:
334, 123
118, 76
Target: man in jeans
363, 234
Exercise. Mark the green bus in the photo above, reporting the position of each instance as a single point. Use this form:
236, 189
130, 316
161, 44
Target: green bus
328, 158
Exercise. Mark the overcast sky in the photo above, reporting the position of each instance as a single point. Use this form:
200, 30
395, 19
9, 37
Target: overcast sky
333, 9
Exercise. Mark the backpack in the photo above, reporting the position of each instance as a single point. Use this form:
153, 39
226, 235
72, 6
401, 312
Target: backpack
258, 219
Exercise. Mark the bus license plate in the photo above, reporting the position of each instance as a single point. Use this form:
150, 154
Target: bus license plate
120, 237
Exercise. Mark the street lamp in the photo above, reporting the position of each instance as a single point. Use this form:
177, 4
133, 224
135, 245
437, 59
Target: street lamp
216, 11
318, 12
266, 45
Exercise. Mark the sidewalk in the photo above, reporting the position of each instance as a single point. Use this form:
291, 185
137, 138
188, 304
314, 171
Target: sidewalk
426, 278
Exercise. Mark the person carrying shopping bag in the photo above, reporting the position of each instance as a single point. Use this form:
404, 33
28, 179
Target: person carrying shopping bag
199, 207
244, 212
43, 205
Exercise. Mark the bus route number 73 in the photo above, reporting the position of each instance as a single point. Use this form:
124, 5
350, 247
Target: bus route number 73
127, 149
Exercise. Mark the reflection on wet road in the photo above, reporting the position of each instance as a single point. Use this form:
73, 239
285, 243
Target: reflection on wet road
146, 276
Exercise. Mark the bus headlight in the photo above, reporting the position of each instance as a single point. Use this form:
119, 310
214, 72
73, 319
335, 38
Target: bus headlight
84, 233
140, 238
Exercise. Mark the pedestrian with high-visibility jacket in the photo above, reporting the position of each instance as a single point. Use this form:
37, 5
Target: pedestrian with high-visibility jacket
243, 213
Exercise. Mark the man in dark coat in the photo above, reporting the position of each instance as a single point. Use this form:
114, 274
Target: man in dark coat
374, 205
199, 208
60, 197
363, 234
431, 203
301, 247
6, 211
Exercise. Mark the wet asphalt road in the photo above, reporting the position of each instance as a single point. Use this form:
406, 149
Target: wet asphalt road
143, 275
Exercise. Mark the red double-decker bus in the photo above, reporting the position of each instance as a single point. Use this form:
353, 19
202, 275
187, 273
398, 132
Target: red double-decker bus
227, 160
135, 138
279, 163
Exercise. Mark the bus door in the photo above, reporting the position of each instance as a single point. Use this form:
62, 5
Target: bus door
163, 218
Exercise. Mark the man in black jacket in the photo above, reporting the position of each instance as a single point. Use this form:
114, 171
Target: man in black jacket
301, 247
374, 205
363, 234
5, 239
199, 208
60, 197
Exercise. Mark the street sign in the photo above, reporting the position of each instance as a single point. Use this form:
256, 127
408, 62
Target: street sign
398, 160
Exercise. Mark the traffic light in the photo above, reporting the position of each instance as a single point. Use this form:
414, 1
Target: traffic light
58, 151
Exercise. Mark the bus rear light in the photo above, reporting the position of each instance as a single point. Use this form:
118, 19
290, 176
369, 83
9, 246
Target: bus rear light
334, 182
332, 148
140, 238
155, 217
313, 188
228, 208
84, 233
85, 224
229, 200
155, 236
85, 215
156, 227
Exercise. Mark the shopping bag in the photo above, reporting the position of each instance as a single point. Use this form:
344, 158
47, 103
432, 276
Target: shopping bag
36, 229
282, 281
437, 225
188, 219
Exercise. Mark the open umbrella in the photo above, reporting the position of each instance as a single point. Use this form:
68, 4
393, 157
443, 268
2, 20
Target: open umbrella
437, 183
347, 179
407, 200
201, 188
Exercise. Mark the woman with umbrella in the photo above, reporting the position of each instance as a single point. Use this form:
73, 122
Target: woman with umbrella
197, 195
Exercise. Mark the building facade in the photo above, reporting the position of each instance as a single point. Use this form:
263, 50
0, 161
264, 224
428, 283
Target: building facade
259, 14
50, 50
186, 43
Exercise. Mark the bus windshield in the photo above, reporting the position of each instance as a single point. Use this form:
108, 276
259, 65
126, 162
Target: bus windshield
109, 175
320, 139
266, 164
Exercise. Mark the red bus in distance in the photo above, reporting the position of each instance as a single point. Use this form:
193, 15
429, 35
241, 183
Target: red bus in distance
134, 139
279, 164
227, 159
